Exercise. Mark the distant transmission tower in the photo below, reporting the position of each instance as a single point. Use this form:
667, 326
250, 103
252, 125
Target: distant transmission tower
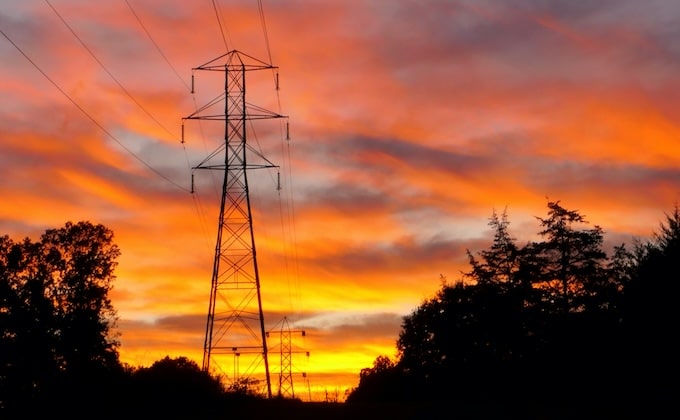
235, 333
286, 358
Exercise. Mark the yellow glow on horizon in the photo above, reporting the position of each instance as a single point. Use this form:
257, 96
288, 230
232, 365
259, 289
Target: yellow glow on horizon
328, 363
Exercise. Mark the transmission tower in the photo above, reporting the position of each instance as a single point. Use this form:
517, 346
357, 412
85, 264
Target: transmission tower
286, 358
234, 333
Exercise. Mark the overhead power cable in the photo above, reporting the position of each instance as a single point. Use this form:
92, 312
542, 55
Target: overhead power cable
264, 29
90, 117
290, 203
195, 198
219, 23
148, 34
120, 85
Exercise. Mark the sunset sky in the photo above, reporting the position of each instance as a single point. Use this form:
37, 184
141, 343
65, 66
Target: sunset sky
410, 122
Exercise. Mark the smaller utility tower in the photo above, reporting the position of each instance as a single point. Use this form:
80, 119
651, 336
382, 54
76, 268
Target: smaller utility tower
286, 358
235, 334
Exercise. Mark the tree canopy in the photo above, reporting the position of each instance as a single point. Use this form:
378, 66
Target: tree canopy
57, 321
556, 320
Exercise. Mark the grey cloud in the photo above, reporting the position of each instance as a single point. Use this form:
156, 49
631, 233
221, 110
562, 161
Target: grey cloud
359, 328
622, 182
394, 257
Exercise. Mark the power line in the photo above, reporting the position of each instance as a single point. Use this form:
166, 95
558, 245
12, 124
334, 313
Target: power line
264, 29
290, 205
194, 195
120, 85
219, 23
196, 199
148, 34
156, 45
90, 117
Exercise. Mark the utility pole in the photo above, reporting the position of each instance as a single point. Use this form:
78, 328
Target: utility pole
235, 333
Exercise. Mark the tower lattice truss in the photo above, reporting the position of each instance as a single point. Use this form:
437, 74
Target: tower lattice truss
235, 346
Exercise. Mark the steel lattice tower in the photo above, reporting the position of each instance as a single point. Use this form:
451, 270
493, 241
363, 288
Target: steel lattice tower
286, 358
235, 333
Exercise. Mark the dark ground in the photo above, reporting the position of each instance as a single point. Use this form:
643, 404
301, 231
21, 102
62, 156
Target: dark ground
455, 409
440, 410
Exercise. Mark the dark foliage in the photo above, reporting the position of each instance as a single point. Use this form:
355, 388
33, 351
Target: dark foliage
56, 329
652, 311
171, 387
176, 377
553, 323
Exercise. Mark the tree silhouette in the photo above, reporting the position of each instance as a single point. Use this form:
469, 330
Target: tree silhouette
57, 319
500, 263
175, 382
652, 314
539, 323
382, 382
572, 260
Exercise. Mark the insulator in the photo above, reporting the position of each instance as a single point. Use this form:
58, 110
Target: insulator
182, 140
192, 83
277, 80
192, 182
287, 131
278, 181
